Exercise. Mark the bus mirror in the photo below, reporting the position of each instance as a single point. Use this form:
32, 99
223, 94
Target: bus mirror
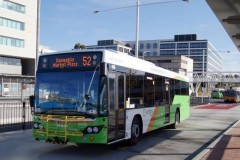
31, 100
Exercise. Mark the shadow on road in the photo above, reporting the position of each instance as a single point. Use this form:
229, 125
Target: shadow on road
118, 151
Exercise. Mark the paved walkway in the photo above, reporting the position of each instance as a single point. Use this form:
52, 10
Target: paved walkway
226, 147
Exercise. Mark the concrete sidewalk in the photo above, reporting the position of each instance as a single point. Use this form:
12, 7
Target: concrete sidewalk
226, 147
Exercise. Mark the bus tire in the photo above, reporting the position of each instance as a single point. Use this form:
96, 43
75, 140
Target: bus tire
135, 131
177, 120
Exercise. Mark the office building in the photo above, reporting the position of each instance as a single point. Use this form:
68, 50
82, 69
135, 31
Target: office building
188, 45
180, 64
18, 46
112, 45
18, 35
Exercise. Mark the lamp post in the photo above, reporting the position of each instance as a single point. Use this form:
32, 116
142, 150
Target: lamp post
137, 15
203, 62
38, 34
137, 29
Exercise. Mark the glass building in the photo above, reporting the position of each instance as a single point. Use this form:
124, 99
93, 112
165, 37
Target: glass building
205, 57
112, 45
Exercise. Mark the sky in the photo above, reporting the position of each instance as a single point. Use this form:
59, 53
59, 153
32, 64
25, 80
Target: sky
63, 23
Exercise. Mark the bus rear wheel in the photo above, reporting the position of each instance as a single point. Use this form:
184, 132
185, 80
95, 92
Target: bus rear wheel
177, 120
135, 131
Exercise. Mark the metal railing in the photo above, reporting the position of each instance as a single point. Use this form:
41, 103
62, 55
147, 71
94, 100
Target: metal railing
15, 116
214, 77
195, 101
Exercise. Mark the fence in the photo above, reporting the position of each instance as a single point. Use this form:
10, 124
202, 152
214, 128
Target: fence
15, 116
194, 101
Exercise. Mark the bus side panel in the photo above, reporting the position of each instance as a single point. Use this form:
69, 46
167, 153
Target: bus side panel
184, 102
152, 118
130, 113
157, 118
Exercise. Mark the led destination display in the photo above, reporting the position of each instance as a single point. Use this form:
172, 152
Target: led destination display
69, 61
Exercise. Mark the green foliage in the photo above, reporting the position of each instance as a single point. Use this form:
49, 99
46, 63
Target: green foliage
79, 46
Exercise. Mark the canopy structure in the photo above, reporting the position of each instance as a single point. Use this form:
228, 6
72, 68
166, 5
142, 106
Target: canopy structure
228, 13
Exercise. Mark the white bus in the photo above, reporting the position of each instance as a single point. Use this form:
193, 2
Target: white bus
112, 97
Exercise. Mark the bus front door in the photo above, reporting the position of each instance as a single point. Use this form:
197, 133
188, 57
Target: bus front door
116, 99
167, 105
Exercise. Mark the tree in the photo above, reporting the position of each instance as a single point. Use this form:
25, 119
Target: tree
79, 46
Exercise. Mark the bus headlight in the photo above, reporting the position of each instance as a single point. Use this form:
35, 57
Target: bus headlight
92, 129
40, 126
95, 129
89, 129
35, 125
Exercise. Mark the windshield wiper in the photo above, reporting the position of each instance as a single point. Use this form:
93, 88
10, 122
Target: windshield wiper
87, 96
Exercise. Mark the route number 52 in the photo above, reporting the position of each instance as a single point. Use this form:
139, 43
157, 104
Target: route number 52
87, 60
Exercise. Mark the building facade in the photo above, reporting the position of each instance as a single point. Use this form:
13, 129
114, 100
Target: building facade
112, 45
18, 47
205, 57
18, 36
180, 64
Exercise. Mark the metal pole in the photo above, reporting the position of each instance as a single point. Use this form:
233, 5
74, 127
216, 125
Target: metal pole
203, 72
137, 30
38, 34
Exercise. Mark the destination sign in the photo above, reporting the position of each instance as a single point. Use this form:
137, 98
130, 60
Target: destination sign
70, 61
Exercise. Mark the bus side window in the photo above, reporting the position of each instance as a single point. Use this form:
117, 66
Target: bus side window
121, 91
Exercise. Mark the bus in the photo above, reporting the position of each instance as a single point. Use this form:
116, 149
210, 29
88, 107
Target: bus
217, 93
112, 97
231, 95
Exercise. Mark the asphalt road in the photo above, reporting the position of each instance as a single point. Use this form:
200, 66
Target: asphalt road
192, 136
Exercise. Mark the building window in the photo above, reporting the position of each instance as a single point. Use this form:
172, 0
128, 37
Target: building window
167, 52
155, 53
141, 46
182, 52
10, 61
182, 45
167, 46
12, 6
8, 41
198, 45
148, 46
154, 45
12, 24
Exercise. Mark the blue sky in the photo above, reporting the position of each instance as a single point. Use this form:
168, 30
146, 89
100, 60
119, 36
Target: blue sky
66, 22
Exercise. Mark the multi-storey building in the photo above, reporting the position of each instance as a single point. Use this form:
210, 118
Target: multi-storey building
18, 36
18, 46
112, 45
205, 57
180, 64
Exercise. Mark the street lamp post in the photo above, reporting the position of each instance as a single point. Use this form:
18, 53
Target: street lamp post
38, 34
137, 29
203, 62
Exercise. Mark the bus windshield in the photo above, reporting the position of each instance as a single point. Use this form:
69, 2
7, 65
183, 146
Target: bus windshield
68, 93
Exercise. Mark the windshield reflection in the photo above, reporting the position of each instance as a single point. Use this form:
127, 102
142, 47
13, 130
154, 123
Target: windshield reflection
66, 92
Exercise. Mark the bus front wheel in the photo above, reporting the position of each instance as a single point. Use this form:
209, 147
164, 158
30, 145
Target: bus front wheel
135, 131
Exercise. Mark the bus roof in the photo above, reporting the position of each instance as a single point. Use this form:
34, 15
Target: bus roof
128, 61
